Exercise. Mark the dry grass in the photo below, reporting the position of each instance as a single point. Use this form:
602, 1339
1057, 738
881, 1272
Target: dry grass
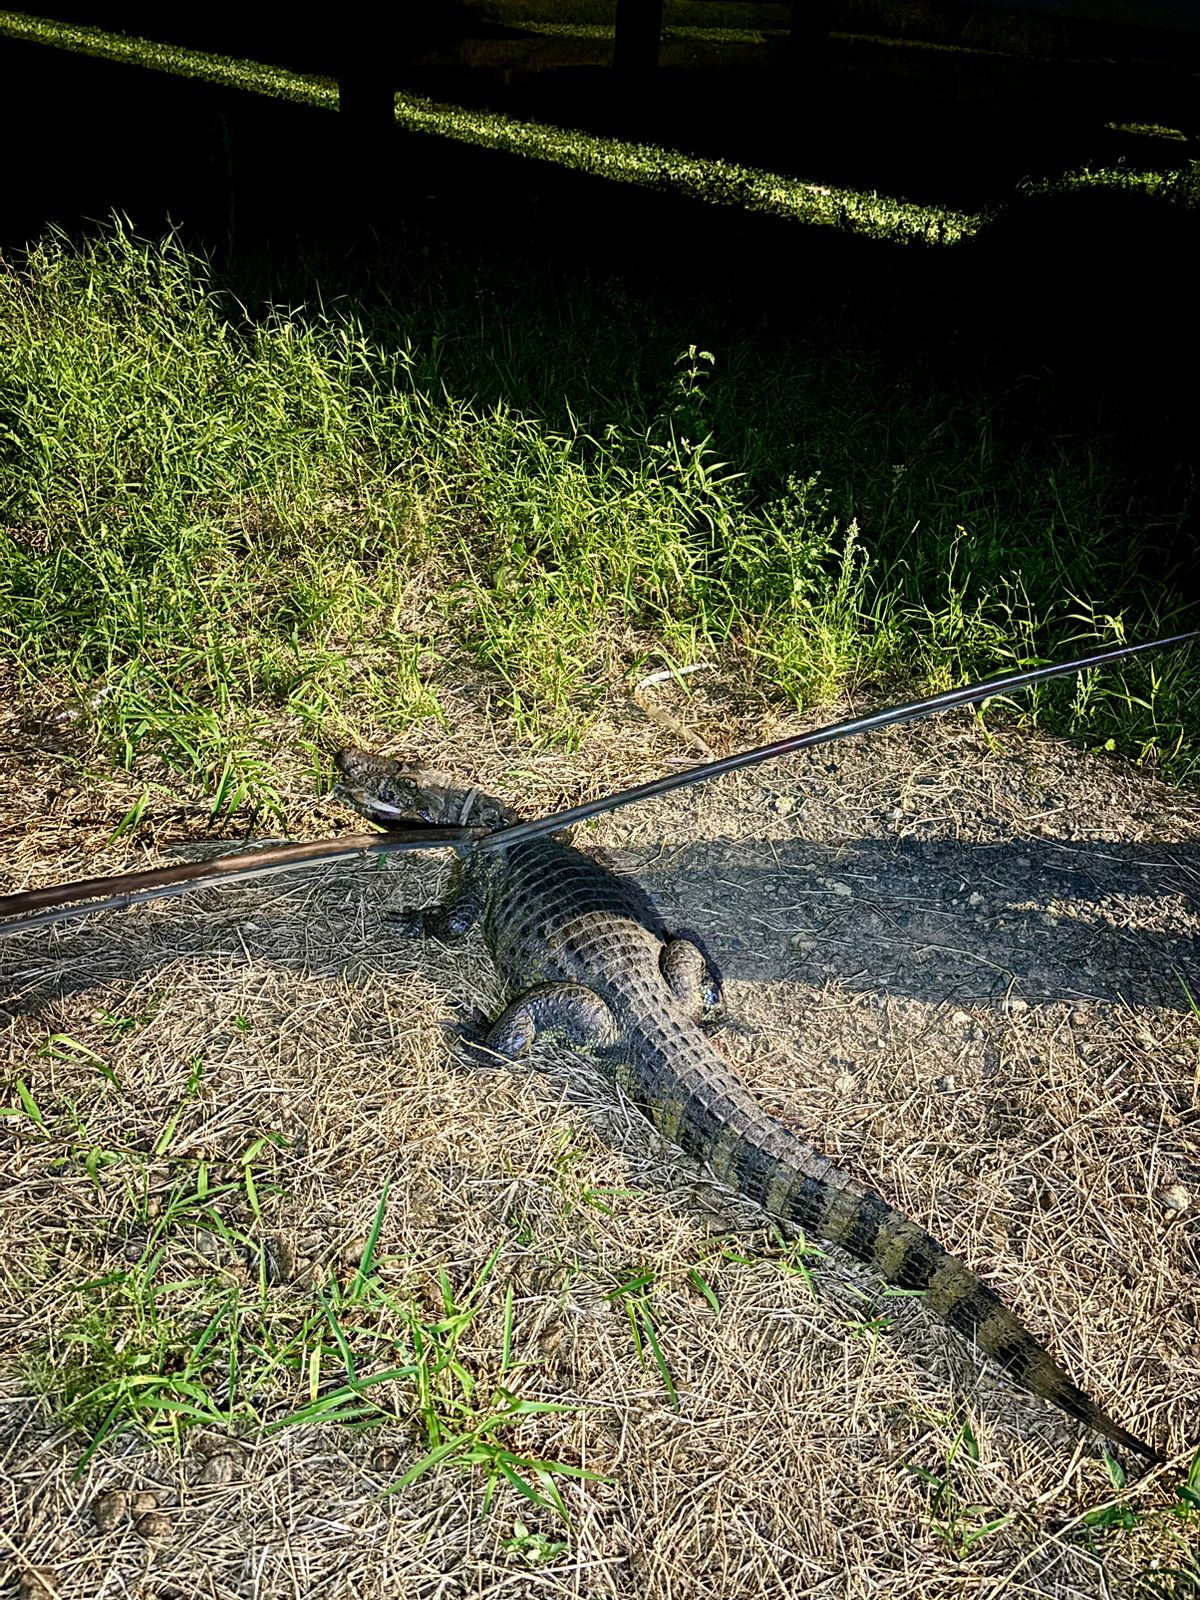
955, 966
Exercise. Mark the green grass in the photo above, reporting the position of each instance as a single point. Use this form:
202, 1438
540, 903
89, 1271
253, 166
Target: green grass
220, 529
194, 1323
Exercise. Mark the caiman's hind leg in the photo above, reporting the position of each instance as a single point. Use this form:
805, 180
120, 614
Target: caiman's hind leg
454, 914
692, 980
570, 1010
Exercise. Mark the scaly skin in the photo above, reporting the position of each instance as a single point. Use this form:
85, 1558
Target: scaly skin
587, 959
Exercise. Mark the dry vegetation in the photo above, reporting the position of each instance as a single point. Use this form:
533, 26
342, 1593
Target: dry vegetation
957, 965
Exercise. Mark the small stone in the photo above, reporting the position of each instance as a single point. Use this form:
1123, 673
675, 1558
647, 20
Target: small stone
975, 899
278, 1262
142, 1502
385, 1460
218, 1470
1174, 1197
838, 888
216, 1442
1078, 1019
353, 1251
784, 805
801, 941
844, 1082
109, 1508
976, 1033
1014, 1005
551, 1340
154, 1526
948, 1084
961, 1019
897, 813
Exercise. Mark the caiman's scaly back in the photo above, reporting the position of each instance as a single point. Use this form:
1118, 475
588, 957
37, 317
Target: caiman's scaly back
587, 958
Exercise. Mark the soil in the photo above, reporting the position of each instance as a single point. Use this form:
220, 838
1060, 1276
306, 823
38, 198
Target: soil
961, 963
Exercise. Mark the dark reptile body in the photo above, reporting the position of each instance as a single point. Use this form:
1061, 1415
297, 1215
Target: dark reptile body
583, 953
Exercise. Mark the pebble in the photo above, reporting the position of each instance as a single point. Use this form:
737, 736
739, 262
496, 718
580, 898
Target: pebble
948, 1084
109, 1508
1174, 1197
836, 887
1014, 1005
353, 1251
279, 1264
385, 1460
784, 805
961, 1019
1078, 1019
218, 1469
976, 899
844, 1082
144, 1501
154, 1526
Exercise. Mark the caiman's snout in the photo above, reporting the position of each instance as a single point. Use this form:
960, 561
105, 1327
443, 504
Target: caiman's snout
388, 792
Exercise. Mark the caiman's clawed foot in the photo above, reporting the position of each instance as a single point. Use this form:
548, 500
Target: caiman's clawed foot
445, 922
469, 1034
691, 979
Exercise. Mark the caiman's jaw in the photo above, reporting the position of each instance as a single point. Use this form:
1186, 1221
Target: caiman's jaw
392, 794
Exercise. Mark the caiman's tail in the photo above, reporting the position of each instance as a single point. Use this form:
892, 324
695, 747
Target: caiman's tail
768, 1163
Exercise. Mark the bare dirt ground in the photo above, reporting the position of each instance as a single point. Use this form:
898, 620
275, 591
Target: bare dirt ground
957, 964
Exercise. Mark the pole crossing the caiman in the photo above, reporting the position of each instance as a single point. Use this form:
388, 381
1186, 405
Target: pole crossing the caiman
587, 959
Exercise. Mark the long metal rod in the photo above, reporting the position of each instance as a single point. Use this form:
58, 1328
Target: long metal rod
122, 888
911, 711
128, 888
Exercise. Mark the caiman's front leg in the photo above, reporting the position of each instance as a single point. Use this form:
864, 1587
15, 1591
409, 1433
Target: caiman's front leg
455, 913
572, 1010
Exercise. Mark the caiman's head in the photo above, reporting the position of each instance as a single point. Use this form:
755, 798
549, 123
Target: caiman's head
392, 794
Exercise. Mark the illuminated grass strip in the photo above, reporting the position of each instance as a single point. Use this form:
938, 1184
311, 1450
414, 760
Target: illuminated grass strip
603, 32
277, 82
700, 178
669, 171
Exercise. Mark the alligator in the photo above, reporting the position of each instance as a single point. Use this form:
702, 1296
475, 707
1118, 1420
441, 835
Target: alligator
589, 962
